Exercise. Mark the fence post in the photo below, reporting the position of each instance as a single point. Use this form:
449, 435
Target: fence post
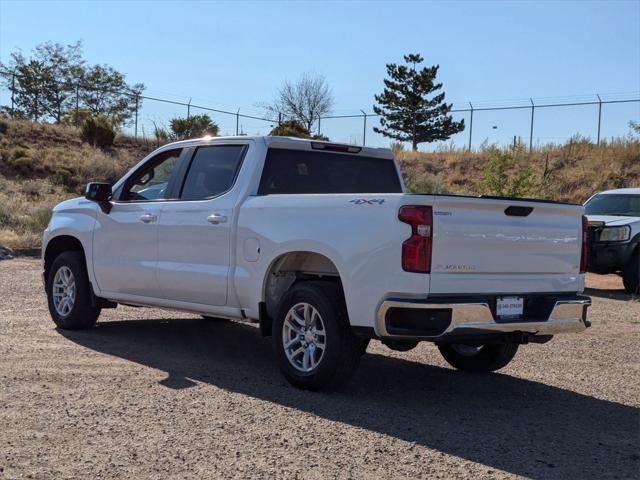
533, 107
470, 125
364, 130
13, 89
599, 116
237, 122
136, 127
189, 109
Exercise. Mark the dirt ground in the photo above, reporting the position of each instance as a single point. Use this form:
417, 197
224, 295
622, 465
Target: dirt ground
155, 394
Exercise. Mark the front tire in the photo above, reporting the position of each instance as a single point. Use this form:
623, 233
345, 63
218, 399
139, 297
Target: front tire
478, 359
631, 275
313, 342
69, 293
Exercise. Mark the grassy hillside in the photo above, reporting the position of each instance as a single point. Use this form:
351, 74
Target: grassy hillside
41, 165
571, 172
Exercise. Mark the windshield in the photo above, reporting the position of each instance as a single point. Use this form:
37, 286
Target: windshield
613, 204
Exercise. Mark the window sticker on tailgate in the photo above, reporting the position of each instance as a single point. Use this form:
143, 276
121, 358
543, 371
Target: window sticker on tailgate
365, 201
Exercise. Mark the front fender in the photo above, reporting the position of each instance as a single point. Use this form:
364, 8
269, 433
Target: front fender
74, 218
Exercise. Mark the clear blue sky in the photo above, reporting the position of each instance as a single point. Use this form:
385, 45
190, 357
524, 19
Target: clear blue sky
235, 54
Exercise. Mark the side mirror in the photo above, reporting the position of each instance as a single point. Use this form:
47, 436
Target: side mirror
99, 192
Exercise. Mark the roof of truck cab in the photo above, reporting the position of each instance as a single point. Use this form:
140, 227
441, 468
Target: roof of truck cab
280, 142
622, 191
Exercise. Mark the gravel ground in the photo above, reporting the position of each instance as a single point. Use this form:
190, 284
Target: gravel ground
155, 394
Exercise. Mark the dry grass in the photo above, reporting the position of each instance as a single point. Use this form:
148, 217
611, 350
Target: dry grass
25, 210
42, 164
571, 172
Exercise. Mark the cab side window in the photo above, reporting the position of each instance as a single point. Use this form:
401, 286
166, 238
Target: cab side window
151, 182
212, 171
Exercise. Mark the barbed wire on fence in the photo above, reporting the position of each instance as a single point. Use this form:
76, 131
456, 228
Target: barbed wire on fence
533, 104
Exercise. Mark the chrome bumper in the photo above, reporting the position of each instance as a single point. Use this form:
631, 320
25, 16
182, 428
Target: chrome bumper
567, 316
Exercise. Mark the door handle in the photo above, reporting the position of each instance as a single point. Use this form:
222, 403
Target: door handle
216, 218
148, 218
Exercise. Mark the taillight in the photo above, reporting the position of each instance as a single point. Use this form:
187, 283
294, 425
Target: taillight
584, 256
416, 250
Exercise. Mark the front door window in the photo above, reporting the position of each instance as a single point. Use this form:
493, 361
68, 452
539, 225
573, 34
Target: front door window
151, 182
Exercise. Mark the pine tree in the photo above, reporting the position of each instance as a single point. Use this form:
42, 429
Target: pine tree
406, 113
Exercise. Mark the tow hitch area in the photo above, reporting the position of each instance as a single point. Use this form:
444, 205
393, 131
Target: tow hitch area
522, 338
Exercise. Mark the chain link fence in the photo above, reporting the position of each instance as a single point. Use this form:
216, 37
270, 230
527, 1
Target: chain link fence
533, 122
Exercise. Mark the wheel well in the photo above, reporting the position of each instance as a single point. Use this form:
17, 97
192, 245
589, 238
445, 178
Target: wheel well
56, 246
288, 269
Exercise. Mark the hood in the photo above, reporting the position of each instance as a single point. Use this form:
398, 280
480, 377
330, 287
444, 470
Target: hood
612, 220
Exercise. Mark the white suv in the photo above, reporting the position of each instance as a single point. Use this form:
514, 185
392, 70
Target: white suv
614, 234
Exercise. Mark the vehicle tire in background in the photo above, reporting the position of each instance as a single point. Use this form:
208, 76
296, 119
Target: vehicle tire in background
69, 293
631, 275
478, 359
313, 342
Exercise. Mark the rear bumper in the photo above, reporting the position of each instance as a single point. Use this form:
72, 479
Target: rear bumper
441, 320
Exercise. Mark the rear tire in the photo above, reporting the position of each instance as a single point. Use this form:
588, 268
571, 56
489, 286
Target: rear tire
69, 293
631, 275
481, 359
313, 342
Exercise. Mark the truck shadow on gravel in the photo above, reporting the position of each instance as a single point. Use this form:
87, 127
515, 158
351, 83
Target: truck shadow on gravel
520, 426
611, 293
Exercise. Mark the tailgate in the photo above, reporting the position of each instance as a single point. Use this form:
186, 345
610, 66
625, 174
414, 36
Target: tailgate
486, 245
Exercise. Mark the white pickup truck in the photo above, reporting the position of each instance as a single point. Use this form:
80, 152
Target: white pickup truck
320, 244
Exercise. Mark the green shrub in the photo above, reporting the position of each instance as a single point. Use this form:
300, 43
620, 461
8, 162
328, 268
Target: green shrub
21, 161
4, 126
76, 116
290, 128
427, 183
193, 127
67, 179
98, 131
505, 176
161, 136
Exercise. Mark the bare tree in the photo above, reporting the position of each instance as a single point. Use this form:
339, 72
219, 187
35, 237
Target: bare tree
303, 101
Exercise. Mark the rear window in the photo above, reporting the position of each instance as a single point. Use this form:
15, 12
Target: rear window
296, 171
